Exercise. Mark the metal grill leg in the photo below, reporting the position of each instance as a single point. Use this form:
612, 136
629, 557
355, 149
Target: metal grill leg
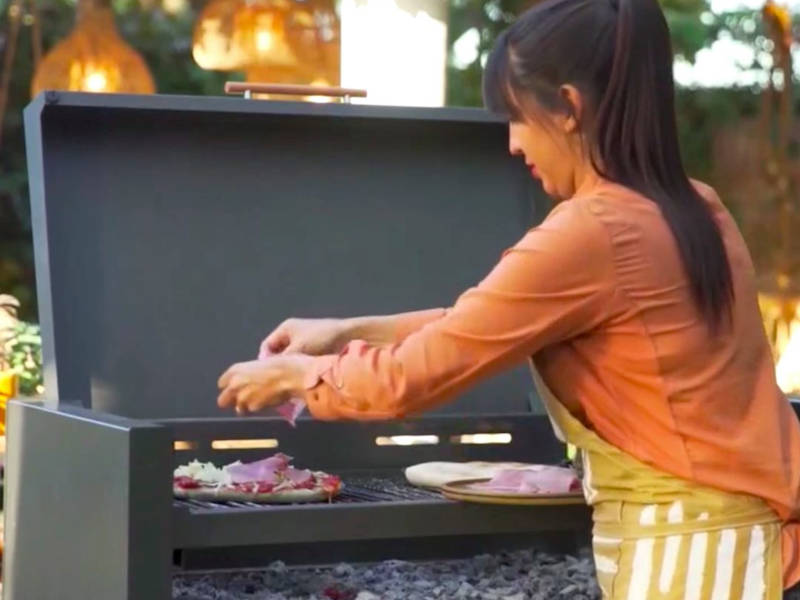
87, 507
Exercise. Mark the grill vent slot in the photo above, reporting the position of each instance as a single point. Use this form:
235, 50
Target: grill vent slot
407, 440
481, 438
181, 445
244, 444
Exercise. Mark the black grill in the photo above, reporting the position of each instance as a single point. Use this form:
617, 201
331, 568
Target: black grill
356, 490
137, 333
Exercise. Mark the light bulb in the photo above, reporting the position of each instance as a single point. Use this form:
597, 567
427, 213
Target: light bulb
95, 81
263, 41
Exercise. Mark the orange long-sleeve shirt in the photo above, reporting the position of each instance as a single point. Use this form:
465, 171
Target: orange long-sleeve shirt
597, 294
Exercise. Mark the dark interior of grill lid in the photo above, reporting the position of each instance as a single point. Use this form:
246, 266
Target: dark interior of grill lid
179, 231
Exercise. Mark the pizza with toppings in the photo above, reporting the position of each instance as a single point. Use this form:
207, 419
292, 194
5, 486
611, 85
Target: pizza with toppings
271, 480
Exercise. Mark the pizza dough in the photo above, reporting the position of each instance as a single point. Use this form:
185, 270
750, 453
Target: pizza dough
437, 474
223, 494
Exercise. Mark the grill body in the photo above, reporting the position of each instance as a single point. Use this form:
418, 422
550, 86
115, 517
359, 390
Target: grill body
90, 514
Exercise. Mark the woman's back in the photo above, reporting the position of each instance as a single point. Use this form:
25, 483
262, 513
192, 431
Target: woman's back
652, 380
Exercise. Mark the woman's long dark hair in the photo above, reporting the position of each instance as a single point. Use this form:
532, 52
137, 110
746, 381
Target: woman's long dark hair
618, 54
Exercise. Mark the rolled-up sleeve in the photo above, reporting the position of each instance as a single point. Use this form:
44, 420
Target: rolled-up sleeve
554, 284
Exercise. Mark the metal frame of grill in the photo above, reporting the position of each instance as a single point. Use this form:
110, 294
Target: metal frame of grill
98, 519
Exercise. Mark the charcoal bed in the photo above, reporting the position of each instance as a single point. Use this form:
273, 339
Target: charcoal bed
171, 234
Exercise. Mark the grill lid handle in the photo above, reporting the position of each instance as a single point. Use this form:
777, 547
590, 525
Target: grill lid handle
248, 88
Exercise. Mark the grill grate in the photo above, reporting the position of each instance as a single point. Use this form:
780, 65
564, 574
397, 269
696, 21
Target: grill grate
355, 491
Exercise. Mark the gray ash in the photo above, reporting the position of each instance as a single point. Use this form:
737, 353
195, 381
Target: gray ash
523, 575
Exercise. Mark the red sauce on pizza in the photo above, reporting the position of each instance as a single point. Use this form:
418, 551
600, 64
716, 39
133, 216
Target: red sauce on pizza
264, 487
331, 483
186, 483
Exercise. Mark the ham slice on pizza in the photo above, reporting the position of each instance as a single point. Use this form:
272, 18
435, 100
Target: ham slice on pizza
270, 480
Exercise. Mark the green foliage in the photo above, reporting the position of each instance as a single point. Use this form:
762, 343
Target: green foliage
165, 42
691, 24
489, 19
24, 355
702, 112
689, 33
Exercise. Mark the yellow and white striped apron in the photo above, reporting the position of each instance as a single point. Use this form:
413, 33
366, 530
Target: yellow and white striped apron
659, 537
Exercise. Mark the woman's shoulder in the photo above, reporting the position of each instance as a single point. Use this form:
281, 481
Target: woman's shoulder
705, 190
614, 203
710, 195
615, 208
611, 212
575, 215
570, 228
607, 198
569, 244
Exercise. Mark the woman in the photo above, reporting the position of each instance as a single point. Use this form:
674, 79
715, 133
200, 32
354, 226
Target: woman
635, 301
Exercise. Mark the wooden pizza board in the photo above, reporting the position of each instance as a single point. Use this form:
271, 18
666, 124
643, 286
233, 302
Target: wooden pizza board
460, 490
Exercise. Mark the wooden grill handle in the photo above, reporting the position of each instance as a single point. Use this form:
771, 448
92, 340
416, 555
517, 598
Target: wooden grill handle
243, 87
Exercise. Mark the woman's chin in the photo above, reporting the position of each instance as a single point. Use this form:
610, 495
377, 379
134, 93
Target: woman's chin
552, 192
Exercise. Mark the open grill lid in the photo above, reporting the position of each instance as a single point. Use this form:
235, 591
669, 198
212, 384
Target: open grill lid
172, 233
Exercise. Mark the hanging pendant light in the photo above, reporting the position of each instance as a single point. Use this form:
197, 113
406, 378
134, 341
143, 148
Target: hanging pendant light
93, 57
279, 41
231, 34
314, 33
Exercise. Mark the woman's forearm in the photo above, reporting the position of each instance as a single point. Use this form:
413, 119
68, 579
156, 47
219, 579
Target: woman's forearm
389, 329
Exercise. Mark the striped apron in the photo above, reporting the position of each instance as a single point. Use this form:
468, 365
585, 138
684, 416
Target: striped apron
659, 537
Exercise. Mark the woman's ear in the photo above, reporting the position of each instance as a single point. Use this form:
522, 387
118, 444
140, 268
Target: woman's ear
573, 102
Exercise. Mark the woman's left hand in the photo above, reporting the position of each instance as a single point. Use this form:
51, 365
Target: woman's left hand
257, 384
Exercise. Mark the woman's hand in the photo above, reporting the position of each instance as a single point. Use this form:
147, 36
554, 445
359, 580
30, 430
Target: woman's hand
314, 337
255, 385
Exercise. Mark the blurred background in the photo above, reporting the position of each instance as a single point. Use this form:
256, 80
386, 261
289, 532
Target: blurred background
734, 67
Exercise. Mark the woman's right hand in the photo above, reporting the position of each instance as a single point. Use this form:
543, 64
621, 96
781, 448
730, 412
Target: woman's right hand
314, 337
